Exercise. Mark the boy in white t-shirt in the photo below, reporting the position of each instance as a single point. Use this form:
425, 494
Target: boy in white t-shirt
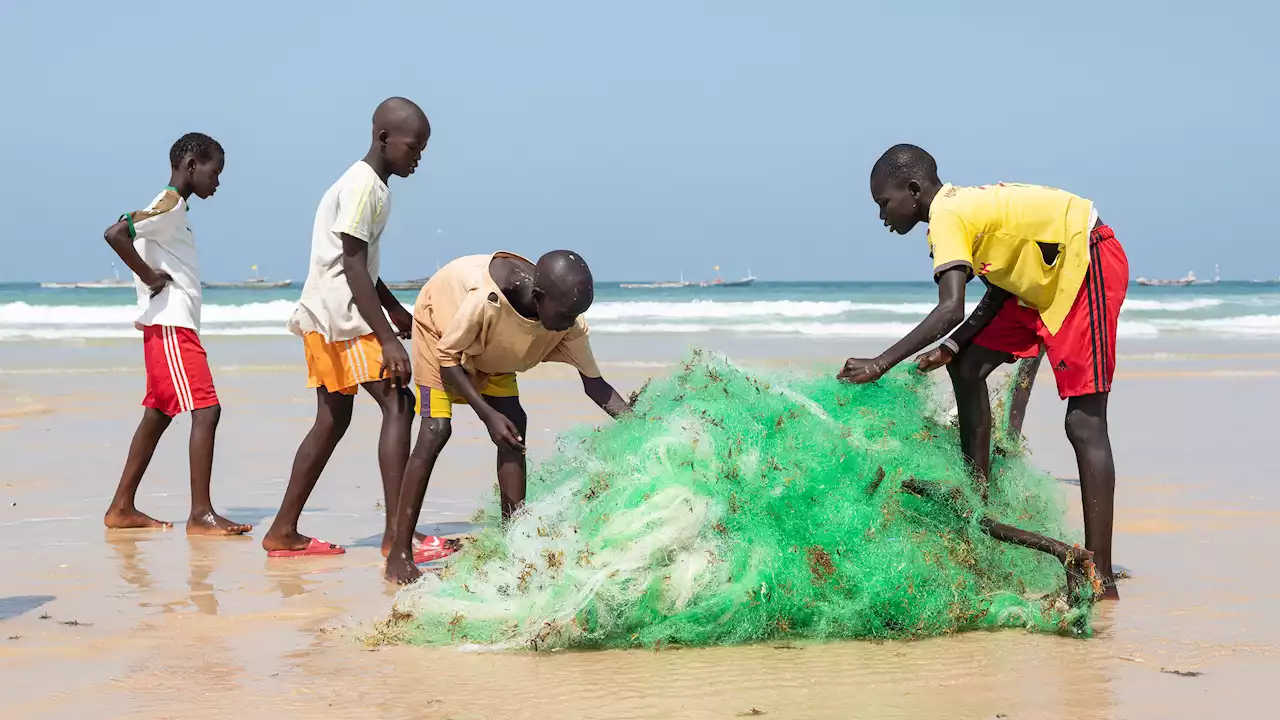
158, 246
348, 340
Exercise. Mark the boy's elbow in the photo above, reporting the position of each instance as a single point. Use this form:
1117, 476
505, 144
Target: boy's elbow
113, 236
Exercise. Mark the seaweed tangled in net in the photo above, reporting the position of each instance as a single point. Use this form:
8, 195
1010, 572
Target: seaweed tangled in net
736, 507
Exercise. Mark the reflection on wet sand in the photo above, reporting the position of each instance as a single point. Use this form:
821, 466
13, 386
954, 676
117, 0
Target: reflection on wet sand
293, 576
126, 546
201, 567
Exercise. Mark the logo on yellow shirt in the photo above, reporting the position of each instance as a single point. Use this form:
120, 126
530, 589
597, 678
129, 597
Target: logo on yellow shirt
986, 268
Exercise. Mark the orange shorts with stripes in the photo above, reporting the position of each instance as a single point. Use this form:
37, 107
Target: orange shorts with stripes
343, 366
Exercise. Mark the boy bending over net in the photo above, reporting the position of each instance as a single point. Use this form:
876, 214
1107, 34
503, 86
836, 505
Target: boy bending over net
476, 323
1056, 277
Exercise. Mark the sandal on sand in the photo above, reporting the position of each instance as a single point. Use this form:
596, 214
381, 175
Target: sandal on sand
433, 548
313, 548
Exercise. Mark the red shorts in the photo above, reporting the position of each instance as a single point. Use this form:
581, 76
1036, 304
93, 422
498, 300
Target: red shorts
1083, 352
178, 378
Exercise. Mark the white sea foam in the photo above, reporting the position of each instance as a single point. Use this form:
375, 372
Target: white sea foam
711, 309
20, 313
1170, 305
802, 318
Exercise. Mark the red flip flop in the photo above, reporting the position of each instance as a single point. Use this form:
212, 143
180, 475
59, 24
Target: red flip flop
433, 548
313, 548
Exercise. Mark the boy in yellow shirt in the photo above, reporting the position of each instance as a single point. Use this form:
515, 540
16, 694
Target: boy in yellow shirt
1056, 277
476, 323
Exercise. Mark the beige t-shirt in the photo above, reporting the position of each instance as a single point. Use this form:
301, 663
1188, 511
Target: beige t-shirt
462, 318
357, 205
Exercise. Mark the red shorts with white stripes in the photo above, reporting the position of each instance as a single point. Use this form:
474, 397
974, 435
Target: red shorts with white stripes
1083, 352
178, 378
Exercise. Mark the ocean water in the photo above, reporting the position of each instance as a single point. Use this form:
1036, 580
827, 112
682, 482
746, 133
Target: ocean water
766, 309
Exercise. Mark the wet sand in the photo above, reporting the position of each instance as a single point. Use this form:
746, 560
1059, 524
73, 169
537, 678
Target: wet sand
153, 624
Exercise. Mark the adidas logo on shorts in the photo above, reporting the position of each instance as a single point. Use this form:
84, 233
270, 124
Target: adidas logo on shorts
1061, 366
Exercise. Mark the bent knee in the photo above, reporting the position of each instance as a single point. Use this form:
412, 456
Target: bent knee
508, 456
432, 437
433, 434
1083, 428
334, 426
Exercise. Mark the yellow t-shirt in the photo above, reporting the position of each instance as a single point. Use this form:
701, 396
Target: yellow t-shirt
1003, 233
462, 318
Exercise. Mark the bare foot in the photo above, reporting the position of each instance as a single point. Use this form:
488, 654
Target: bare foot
211, 523
1082, 575
401, 570
290, 541
119, 519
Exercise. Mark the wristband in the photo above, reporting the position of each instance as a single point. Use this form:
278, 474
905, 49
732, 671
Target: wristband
951, 345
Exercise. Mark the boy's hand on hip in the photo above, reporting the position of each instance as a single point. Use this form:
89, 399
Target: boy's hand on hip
859, 371
934, 359
503, 432
403, 320
395, 364
157, 282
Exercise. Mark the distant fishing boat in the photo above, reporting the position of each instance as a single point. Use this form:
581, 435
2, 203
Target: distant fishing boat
1159, 282
720, 282
257, 282
108, 283
408, 284
681, 283
1188, 279
250, 284
1217, 278
743, 282
415, 284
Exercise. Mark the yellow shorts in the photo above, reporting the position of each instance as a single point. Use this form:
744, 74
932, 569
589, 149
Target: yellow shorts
441, 402
341, 367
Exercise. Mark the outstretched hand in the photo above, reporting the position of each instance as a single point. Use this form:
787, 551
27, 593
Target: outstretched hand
934, 359
859, 371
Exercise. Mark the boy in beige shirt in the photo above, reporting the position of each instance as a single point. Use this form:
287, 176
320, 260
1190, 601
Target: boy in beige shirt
476, 323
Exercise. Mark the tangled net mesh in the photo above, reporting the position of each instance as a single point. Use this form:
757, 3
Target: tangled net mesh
737, 508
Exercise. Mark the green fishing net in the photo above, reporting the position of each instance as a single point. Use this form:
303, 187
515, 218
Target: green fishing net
738, 507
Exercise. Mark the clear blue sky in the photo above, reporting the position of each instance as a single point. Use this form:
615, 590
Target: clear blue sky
652, 137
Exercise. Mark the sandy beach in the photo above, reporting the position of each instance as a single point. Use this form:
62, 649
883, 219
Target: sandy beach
153, 624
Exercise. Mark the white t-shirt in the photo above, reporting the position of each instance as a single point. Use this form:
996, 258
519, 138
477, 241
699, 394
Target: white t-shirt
357, 205
163, 238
